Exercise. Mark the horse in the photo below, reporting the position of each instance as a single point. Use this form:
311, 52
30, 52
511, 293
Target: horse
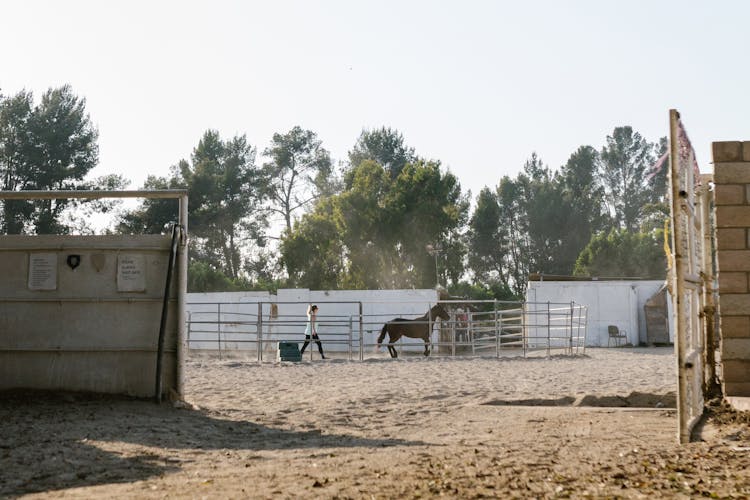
417, 328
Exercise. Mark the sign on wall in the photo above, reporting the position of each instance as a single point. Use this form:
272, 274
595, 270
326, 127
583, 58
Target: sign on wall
43, 271
131, 273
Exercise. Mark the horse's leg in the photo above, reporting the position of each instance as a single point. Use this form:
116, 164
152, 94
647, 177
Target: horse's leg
427, 345
392, 339
392, 351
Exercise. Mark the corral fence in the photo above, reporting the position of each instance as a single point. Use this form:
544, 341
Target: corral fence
350, 329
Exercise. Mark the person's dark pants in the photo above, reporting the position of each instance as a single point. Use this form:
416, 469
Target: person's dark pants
317, 341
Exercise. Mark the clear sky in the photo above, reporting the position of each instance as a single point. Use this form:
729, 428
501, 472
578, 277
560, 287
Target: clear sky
478, 85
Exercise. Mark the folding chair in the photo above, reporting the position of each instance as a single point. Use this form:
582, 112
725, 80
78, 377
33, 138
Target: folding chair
617, 335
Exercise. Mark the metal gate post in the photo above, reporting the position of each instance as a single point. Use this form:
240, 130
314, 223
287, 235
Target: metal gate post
361, 334
259, 329
570, 351
498, 330
429, 331
524, 328
453, 337
470, 330
218, 323
548, 330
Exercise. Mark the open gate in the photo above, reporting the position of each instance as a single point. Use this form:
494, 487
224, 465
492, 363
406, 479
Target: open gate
691, 276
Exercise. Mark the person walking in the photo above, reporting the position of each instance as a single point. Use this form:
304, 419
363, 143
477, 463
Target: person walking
311, 331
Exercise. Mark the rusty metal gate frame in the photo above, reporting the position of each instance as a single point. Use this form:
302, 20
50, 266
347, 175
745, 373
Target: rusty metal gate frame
691, 277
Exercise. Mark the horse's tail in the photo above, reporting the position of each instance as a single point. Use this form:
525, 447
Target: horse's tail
382, 335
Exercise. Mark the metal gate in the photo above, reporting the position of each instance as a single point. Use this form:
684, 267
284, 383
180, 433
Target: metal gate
691, 276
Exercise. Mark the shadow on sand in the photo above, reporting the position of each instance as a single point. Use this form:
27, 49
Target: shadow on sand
45, 439
632, 400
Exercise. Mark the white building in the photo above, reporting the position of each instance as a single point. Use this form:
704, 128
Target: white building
610, 302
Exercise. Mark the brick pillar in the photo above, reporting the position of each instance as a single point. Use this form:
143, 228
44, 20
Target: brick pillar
732, 198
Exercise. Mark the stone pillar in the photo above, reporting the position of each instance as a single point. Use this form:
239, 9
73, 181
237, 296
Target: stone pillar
732, 198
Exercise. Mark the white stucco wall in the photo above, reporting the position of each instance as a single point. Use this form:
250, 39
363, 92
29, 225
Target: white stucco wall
609, 303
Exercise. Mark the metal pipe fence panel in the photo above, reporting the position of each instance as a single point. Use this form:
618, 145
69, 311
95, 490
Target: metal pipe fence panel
475, 328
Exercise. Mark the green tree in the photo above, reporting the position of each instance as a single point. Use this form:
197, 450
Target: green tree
539, 221
621, 253
516, 243
657, 176
583, 197
374, 234
545, 213
203, 277
225, 189
312, 252
487, 240
365, 232
153, 215
15, 156
384, 146
47, 146
424, 206
479, 291
624, 162
298, 172
81, 216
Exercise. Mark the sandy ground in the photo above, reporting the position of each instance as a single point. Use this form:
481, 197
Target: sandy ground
598, 425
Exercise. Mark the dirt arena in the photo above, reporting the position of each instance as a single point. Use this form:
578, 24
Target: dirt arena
593, 426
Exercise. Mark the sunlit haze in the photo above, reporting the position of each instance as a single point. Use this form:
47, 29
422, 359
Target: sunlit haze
476, 85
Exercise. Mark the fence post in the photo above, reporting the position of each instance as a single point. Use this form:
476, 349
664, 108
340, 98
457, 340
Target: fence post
498, 329
470, 330
361, 334
260, 331
351, 337
524, 328
549, 324
583, 315
571, 328
453, 336
218, 321
429, 331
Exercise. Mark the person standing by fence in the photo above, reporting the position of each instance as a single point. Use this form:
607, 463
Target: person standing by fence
311, 331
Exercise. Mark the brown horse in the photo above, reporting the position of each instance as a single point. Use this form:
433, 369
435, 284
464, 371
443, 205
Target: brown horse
417, 328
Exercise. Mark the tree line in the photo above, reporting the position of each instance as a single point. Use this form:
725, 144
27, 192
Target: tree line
387, 217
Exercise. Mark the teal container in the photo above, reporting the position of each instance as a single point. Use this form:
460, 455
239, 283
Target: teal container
288, 351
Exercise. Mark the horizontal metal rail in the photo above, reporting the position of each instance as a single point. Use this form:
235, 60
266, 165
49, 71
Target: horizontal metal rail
512, 331
91, 194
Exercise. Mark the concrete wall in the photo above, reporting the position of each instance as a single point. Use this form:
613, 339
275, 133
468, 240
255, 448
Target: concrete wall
93, 327
732, 198
617, 303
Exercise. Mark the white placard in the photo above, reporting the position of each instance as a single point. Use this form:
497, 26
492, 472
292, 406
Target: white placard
131, 273
43, 271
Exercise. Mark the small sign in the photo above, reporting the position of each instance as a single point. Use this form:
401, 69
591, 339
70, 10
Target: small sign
43, 271
98, 260
131, 273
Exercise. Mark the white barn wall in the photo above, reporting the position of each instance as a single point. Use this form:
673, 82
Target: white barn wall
609, 303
